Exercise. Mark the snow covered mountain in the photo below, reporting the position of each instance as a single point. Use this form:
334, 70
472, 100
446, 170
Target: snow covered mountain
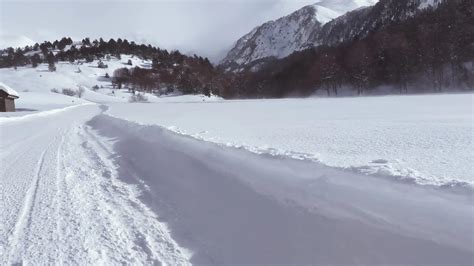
14, 40
324, 23
291, 33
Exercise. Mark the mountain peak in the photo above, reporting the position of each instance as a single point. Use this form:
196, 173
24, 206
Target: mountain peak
279, 38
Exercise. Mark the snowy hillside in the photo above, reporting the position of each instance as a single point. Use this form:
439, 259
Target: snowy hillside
291, 33
36, 85
12, 40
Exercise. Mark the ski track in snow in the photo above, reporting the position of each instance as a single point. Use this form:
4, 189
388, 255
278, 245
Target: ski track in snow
24, 220
62, 203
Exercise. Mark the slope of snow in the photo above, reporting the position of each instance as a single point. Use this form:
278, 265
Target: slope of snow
344, 6
429, 3
324, 14
426, 139
14, 40
35, 85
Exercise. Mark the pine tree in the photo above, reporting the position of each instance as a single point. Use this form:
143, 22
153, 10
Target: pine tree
35, 59
86, 41
155, 63
51, 63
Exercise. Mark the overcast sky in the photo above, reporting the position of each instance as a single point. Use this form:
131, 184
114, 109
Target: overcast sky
204, 27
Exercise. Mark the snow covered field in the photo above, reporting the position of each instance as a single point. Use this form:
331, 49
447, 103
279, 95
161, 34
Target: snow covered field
229, 206
87, 188
427, 139
98, 180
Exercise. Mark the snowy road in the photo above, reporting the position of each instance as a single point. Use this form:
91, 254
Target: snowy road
80, 187
61, 204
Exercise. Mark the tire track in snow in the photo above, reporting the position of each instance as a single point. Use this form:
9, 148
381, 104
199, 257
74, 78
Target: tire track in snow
58, 196
18, 166
23, 220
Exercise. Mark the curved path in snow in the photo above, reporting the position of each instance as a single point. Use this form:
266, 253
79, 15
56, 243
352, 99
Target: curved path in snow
80, 187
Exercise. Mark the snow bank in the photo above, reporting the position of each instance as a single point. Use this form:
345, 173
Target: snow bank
34, 115
232, 207
425, 139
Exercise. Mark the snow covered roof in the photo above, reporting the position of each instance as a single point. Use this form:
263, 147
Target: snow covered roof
8, 90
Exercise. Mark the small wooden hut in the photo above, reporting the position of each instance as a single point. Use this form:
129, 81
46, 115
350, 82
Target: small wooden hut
7, 98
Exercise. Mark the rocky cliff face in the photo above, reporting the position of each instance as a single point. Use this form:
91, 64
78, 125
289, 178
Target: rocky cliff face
277, 38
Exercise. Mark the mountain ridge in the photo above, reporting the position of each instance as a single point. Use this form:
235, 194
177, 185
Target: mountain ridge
357, 22
279, 38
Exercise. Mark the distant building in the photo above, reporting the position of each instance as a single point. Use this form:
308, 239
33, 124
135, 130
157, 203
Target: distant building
101, 64
7, 98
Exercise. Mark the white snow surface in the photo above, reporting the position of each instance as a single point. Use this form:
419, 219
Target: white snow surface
81, 187
324, 14
232, 207
429, 3
62, 203
344, 6
14, 40
8, 90
427, 139
98, 180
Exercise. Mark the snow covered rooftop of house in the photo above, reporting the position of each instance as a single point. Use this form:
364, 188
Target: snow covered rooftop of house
8, 90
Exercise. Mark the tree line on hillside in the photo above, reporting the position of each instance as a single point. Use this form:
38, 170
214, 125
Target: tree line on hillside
430, 52
170, 70
66, 50
189, 75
